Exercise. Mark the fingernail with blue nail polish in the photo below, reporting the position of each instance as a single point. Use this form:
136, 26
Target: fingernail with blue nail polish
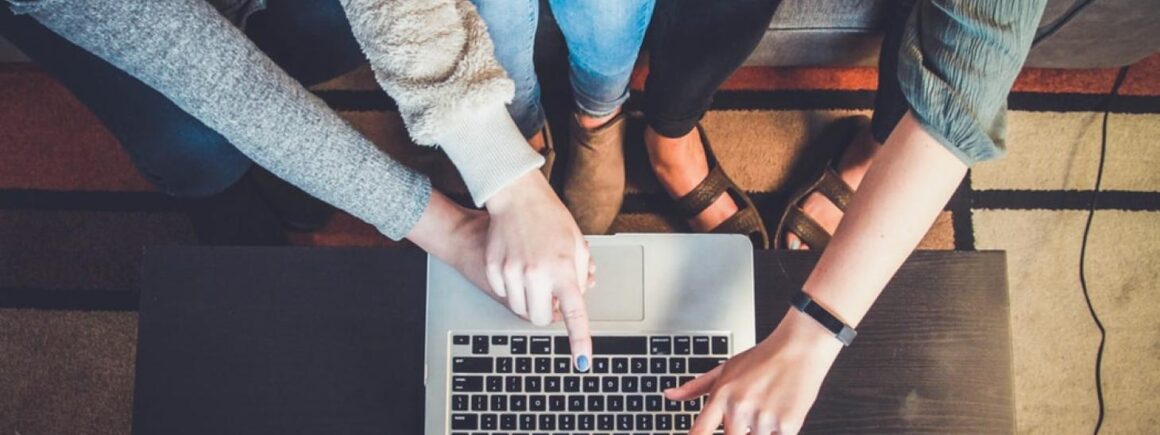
582, 363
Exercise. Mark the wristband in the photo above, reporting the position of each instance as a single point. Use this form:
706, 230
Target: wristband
843, 332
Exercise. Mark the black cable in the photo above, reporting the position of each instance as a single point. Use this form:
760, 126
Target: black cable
1107, 103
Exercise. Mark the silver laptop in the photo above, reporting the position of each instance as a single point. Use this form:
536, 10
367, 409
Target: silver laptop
666, 307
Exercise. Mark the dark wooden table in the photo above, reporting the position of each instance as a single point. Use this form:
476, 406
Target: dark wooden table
297, 340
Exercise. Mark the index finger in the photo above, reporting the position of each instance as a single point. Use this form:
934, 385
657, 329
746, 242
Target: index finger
575, 313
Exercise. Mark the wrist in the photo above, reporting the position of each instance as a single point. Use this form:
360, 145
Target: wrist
807, 334
436, 230
527, 187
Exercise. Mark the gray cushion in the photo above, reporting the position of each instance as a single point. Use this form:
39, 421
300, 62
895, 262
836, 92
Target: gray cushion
830, 14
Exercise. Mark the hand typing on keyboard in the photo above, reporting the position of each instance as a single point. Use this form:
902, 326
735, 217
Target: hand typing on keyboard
768, 388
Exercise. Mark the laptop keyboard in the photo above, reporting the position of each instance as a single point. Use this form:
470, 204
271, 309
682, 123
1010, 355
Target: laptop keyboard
525, 384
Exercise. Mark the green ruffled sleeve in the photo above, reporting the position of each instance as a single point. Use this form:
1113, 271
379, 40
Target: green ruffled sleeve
956, 65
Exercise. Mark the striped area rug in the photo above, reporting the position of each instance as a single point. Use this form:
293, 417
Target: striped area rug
74, 216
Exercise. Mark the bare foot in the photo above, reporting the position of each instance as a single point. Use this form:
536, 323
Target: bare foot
852, 166
680, 165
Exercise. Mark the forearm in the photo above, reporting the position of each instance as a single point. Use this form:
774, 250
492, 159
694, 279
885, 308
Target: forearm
191, 54
912, 178
435, 58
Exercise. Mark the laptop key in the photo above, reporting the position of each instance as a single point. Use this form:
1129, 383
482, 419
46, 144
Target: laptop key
600, 365
543, 365
533, 384
468, 384
547, 422
700, 345
567, 422
479, 345
615, 403
634, 403
644, 422
507, 422
693, 404
653, 402
488, 421
619, 346
561, 345
464, 422
629, 384
499, 340
537, 402
682, 346
459, 402
513, 384
523, 365
498, 402
541, 345
518, 402
620, 365
683, 422
495, 384
479, 364
624, 422
664, 422
478, 402
557, 402
591, 384
596, 403
461, 339
639, 365
720, 346
658, 365
668, 382
562, 365
586, 422
528, 422
575, 403
677, 365
703, 365
503, 365
519, 345
552, 384
661, 345
672, 405
571, 384
648, 384
606, 422
610, 385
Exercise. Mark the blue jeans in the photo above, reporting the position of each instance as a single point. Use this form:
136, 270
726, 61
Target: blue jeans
603, 38
178, 154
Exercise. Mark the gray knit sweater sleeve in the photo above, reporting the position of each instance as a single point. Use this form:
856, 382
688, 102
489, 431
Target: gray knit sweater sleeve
190, 53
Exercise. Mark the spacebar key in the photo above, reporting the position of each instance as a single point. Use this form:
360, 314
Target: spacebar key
619, 346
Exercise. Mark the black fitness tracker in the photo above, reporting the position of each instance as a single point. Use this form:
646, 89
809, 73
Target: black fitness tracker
843, 332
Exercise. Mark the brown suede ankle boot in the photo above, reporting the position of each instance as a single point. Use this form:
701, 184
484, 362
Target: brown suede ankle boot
594, 179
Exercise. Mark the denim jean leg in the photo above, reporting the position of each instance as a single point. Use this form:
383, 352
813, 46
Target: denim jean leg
604, 39
174, 151
512, 27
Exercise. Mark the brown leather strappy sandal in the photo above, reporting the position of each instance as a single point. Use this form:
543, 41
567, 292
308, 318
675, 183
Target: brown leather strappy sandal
745, 221
827, 182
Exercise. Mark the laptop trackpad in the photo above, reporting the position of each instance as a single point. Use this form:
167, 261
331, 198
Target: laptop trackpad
619, 291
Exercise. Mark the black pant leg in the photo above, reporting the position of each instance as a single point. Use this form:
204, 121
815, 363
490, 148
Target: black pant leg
889, 102
694, 46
